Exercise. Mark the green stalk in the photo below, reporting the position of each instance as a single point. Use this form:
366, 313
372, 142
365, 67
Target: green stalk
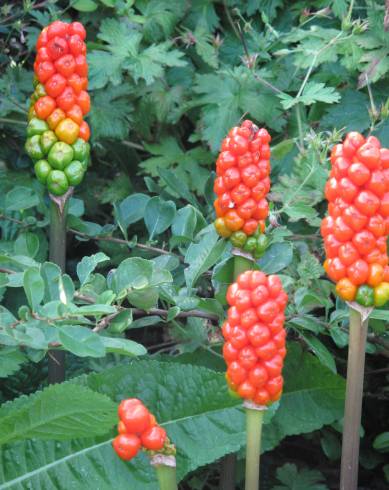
254, 420
354, 394
166, 473
57, 254
228, 464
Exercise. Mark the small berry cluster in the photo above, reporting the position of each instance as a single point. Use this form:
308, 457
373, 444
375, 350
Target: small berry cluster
57, 134
357, 225
137, 429
255, 336
242, 183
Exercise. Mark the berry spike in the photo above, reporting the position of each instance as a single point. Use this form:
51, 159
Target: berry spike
241, 186
57, 134
254, 332
357, 225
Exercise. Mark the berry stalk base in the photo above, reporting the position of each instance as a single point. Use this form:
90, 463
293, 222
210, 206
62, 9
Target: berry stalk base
165, 467
354, 394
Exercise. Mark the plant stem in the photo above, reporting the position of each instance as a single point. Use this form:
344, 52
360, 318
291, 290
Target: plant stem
353, 404
57, 254
166, 477
254, 420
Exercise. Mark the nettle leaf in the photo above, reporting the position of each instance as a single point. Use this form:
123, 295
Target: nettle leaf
88, 265
49, 414
203, 255
313, 396
313, 92
110, 115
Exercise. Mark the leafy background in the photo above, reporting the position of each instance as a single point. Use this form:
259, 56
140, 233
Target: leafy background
146, 274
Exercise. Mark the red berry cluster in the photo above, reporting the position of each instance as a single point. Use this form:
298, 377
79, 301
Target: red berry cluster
357, 226
242, 182
255, 336
137, 428
62, 69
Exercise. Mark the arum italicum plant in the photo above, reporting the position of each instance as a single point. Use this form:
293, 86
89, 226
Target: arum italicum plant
255, 338
57, 135
355, 233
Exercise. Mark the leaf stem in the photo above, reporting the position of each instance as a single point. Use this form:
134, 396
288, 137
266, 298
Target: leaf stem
254, 419
353, 404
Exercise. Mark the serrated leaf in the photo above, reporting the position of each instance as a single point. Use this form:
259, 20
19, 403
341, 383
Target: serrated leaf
11, 360
215, 424
351, 113
313, 92
294, 479
49, 415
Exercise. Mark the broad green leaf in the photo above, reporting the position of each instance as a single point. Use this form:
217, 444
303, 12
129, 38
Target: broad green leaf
293, 479
88, 265
132, 273
124, 347
20, 198
34, 287
144, 298
120, 322
96, 309
203, 255
320, 350
201, 408
184, 223
352, 113
60, 412
11, 360
159, 215
130, 210
81, 341
381, 442
277, 257
27, 244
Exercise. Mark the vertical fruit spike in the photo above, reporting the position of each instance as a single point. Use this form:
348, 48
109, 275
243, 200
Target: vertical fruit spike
58, 106
241, 186
356, 227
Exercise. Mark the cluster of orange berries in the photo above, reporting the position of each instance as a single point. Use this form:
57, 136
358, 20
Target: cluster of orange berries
242, 183
254, 332
357, 225
137, 428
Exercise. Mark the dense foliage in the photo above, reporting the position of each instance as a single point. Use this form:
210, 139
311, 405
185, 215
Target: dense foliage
146, 272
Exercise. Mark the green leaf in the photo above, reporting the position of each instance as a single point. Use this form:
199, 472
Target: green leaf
34, 287
130, 210
178, 186
96, 309
320, 350
184, 223
81, 341
48, 414
203, 255
88, 265
293, 479
351, 113
123, 346
313, 92
381, 442
84, 5
201, 408
27, 244
20, 198
11, 360
277, 257
111, 110
132, 273
159, 215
